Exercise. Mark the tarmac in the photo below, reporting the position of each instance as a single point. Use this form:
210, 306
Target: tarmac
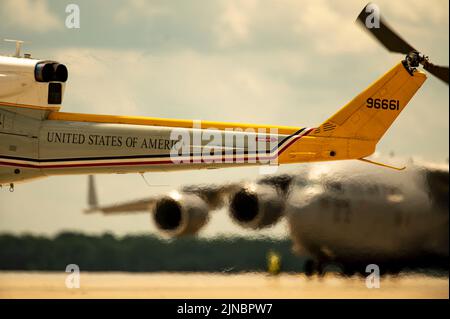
216, 286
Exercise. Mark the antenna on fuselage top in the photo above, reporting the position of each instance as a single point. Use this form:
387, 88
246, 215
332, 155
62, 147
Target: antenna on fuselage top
18, 46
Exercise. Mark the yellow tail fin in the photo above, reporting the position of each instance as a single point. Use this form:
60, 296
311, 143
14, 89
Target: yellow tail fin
369, 115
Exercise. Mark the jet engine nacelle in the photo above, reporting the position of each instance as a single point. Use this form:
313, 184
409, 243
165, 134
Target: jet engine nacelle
30, 82
180, 214
256, 206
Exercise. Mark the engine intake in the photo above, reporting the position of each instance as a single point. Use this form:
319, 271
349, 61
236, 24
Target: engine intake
26, 81
256, 206
50, 71
180, 215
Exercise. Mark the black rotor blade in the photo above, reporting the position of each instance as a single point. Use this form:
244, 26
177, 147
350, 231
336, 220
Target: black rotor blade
391, 40
440, 72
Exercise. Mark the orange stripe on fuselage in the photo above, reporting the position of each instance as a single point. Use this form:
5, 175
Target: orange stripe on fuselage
32, 107
150, 121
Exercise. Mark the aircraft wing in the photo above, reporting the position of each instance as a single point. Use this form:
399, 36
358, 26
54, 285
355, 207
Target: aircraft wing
215, 196
140, 205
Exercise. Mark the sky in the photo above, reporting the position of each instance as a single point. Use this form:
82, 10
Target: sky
284, 62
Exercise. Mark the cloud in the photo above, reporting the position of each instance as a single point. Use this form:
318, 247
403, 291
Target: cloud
434, 12
180, 84
329, 30
138, 8
317, 24
326, 27
28, 15
233, 25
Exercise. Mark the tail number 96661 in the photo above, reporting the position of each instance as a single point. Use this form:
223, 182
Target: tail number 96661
384, 104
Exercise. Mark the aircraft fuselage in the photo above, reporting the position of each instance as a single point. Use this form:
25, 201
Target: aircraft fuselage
64, 143
372, 217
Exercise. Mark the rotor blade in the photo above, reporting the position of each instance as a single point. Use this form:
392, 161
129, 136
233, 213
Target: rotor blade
440, 72
384, 34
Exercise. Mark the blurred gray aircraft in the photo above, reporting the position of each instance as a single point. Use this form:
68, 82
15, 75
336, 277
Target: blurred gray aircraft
350, 215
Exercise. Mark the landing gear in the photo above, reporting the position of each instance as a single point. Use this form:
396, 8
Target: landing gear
320, 268
348, 271
313, 267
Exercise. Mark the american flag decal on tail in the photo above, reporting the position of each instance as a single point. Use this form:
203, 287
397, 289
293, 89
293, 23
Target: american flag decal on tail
328, 126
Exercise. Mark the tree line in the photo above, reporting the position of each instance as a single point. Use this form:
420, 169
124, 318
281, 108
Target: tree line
143, 253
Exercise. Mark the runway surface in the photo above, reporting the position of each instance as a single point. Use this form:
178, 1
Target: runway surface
195, 285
